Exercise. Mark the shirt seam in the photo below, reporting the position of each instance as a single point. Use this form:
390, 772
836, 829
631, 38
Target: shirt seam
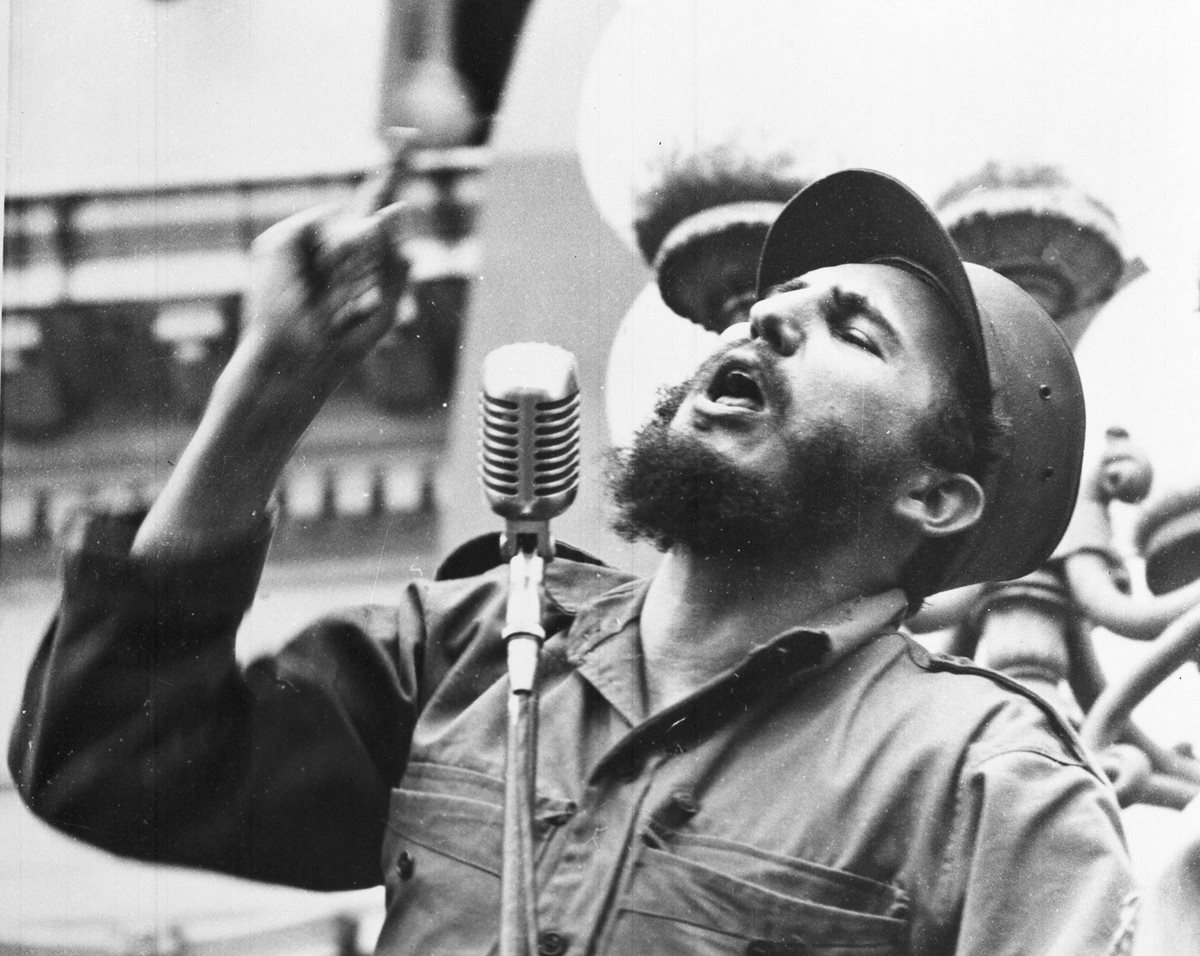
951, 853
1060, 759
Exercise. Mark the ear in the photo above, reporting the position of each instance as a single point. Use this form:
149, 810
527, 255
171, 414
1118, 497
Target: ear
940, 503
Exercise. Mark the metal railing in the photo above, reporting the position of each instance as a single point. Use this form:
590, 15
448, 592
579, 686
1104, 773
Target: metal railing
121, 307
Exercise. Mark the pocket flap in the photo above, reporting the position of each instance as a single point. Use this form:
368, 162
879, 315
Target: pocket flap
460, 813
670, 887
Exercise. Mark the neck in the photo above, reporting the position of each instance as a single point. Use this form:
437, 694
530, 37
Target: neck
701, 615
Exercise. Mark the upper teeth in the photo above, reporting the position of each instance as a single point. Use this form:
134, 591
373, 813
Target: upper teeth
739, 389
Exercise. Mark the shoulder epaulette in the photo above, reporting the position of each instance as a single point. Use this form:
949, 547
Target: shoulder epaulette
953, 664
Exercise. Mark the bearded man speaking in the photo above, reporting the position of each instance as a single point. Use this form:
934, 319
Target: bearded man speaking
741, 754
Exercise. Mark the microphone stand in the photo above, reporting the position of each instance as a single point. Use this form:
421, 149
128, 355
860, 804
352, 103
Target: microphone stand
528, 546
529, 463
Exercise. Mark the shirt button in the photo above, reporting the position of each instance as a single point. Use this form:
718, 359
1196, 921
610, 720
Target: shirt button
552, 944
405, 864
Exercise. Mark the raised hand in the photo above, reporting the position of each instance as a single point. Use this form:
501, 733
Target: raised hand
325, 285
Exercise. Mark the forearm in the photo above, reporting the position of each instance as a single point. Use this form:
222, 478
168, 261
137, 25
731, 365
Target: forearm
222, 485
138, 730
324, 288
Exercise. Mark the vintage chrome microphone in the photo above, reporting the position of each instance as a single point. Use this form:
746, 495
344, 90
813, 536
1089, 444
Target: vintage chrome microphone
529, 436
529, 463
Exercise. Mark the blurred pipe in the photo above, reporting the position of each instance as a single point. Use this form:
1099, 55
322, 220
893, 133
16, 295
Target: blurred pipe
1108, 716
1088, 683
1161, 790
1102, 600
1022, 631
1122, 474
1168, 538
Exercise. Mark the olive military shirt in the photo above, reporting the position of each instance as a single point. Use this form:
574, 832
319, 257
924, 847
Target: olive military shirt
839, 791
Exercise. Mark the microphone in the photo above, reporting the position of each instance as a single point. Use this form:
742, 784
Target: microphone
529, 439
529, 463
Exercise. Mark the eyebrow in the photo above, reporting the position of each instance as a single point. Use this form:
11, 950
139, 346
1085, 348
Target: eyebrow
845, 301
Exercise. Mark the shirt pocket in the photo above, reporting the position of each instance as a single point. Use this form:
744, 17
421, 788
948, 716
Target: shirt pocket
442, 857
704, 896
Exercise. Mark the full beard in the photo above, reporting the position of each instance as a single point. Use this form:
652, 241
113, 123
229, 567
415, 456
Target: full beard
673, 491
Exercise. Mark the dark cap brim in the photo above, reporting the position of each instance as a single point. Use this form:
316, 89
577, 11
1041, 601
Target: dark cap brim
860, 216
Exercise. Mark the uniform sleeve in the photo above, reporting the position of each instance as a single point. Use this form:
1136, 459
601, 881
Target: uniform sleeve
139, 731
1041, 857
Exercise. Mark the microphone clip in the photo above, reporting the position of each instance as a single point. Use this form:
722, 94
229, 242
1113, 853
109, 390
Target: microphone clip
527, 537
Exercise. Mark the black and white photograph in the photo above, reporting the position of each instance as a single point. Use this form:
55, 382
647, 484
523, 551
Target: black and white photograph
600, 478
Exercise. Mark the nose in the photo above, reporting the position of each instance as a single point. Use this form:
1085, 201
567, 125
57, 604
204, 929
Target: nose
776, 326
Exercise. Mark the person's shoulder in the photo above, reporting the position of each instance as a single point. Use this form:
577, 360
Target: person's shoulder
992, 712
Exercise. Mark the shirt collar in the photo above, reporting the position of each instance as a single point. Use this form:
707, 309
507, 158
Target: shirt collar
605, 647
852, 623
610, 599
572, 586
837, 630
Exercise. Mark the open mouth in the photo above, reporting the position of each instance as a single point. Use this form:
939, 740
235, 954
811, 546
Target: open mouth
735, 386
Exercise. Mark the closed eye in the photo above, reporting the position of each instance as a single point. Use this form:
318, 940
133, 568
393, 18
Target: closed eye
857, 337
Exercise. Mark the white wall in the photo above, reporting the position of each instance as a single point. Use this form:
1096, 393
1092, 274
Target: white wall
144, 92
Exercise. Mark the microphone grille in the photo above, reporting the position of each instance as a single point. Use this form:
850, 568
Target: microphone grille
529, 431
